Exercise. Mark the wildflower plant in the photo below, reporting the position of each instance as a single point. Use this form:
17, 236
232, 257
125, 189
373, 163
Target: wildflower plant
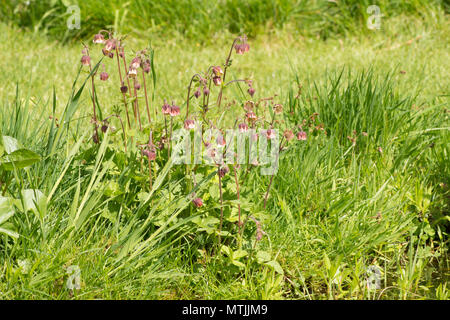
194, 140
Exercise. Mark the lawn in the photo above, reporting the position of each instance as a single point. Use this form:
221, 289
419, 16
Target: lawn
94, 205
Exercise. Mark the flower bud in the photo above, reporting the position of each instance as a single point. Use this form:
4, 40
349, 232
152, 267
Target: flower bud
124, 89
197, 93
251, 91
198, 202
137, 86
223, 171
104, 76
205, 91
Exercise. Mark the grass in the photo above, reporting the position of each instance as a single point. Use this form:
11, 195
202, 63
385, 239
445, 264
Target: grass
372, 191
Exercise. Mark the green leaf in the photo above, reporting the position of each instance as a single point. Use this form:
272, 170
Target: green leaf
276, 266
34, 200
263, 256
19, 159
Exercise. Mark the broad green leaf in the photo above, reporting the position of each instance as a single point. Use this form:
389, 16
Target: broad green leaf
263, 256
34, 200
19, 159
276, 266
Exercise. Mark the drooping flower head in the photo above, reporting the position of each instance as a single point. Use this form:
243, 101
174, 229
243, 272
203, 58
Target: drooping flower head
104, 76
86, 60
301, 135
99, 38
165, 108
174, 110
243, 127
189, 124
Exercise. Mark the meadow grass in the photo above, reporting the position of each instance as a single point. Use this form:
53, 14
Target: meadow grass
373, 191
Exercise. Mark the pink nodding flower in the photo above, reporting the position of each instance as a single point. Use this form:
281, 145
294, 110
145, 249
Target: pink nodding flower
217, 81
270, 134
301, 135
99, 38
197, 93
189, 124
288, 134
174, 110
150, 154
250, 115
137, 86
110, 45
220, 141
135, 63
223, 171
198, 202
217, 71
239, 48
132, 73
104, 76
205, 91
165, 108
243, 127
146, 66
251, 91
86, 60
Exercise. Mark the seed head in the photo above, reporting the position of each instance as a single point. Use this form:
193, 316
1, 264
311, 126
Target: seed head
278, 108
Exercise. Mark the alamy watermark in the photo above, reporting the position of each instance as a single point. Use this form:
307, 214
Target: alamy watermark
374, 21
74, 20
